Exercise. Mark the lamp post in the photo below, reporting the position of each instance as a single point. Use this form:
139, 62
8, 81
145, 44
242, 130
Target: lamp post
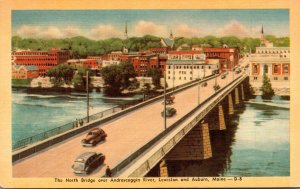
87, 96
165, 105
198, 86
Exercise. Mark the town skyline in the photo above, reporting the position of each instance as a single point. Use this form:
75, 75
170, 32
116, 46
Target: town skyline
188, 23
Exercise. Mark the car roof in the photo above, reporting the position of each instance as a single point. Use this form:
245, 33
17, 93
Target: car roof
86, 155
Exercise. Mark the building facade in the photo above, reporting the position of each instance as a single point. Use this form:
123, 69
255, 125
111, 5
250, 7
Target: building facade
43, 60
24, 72
186, 66
228, 57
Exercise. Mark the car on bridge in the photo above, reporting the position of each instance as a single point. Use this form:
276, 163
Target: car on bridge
223, 76
87, 162
93, 137
169, 112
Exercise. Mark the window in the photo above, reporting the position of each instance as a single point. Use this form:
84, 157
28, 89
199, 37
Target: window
285, 68
275, 78
275, 69
286, 78
254, 78
169, 77
255, 69
191, 78
265, 69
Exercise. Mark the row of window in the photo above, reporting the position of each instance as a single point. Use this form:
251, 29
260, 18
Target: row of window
274, 78
275, 69
189, 67
273, 51
40, 64
183, 78
36, 59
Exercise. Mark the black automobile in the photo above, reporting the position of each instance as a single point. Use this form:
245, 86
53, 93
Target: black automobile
223, 76
169, 112
87, 162
94, 136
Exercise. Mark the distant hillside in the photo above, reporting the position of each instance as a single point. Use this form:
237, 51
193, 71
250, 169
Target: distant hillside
82, 46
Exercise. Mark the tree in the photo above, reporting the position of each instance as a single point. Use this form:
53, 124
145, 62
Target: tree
62, 72
267, 91
127, 73
112, 76
156, 75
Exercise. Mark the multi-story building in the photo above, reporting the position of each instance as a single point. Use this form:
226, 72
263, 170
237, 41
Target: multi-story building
110, 62
24, 72
186, 66
228, 57
88, 63
43, 60
272, 61
276, 67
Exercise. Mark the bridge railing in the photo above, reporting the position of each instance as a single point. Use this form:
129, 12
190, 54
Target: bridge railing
73, 125
156, 156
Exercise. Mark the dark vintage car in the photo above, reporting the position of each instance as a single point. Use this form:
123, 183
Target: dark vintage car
204, 84
87, 162
223, 76
170, 99
93, 137
169, 112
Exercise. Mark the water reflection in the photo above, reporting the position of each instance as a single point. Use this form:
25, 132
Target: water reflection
256, 143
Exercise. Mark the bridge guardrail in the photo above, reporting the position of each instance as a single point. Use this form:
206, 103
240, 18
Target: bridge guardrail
135, 154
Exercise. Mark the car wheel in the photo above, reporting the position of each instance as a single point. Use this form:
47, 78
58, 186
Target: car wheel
94, 143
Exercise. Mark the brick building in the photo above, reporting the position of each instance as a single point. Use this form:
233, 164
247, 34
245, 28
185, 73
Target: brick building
87, 63
228, 57
43, 60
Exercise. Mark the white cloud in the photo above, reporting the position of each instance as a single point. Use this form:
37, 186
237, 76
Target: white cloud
234, 28
28, 31
71, 31
51, 32
146, 27
184, 30
105, 32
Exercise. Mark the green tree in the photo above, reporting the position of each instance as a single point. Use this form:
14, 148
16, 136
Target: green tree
62, 72
112, 76
267, 91
155, 74
118, 77
127, 73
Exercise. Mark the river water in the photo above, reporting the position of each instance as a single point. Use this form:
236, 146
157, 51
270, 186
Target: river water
256, 143
36, 113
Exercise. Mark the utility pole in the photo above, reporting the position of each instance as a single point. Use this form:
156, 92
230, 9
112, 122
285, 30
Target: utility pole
198, 85
87, 96
165, 105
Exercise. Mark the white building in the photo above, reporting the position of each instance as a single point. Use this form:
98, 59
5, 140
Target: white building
110, 62
183, 71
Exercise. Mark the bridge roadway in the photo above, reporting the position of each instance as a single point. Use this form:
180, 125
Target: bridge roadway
126, 134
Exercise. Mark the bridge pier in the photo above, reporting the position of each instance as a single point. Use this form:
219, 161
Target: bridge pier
163, 169
230, 105
242, 91
194, 146
217, 118
237, 98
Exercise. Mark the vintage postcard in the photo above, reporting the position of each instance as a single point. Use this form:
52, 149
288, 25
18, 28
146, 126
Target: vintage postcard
149, 94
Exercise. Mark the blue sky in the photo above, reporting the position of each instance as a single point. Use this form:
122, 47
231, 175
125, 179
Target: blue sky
101, 24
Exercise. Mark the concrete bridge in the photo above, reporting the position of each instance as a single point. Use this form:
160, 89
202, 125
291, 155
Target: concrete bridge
137, 140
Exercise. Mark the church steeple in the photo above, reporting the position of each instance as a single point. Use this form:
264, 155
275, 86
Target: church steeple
171, 35
262, 37
126, 32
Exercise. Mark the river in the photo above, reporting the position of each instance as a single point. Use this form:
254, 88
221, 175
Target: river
256, 143
36, 113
